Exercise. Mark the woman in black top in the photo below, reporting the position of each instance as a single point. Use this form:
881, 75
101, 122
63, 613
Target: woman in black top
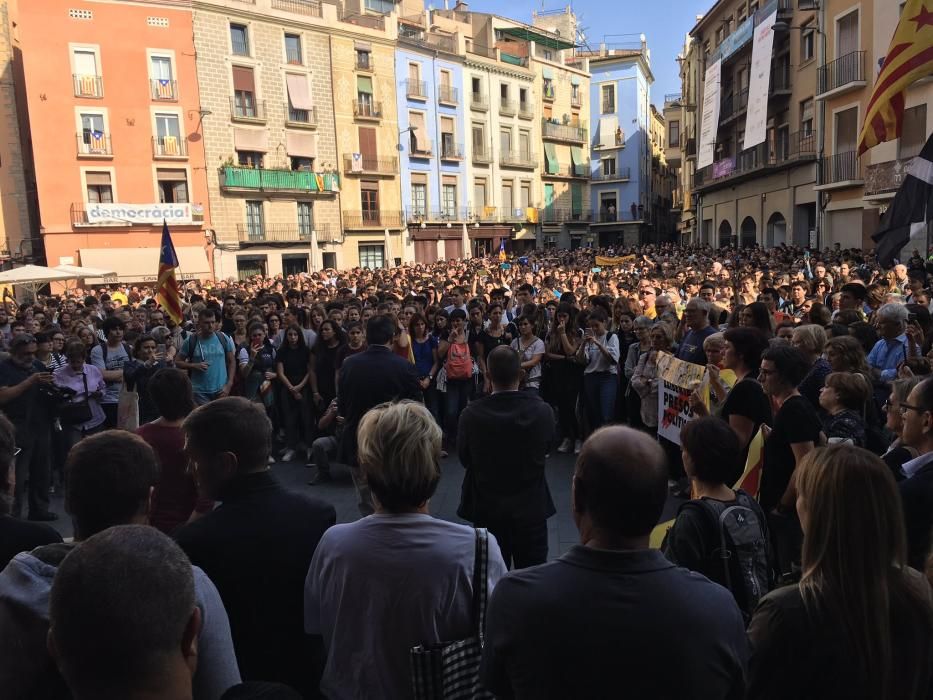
859, 625
137, 372
323, 377
491, 337
796, 431
563, 376
746, 407
293, 366
897, 452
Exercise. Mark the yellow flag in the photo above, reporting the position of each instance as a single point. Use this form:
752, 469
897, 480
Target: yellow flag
909, 58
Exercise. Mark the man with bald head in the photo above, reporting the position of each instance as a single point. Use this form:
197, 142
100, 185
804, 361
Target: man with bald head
607, 618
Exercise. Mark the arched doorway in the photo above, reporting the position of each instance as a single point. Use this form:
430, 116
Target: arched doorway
725, 234
749, 232
777, 230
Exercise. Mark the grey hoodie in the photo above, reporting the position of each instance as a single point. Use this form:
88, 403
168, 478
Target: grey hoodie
28, 673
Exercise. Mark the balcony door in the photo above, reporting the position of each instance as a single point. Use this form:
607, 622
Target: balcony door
847, 34
168, 133
92, 133
844, 160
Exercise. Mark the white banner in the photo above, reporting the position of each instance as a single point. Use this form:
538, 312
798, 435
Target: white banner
676, 381
756, 118
709, 120
139, 213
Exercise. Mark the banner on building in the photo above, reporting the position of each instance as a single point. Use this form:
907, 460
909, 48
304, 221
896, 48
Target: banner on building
709, 118
756, 118
139, 213
676, 381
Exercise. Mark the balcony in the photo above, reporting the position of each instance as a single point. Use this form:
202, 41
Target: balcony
273, 233
372, 219
365, 165
301, 118
556, 215
163, 90
549, 92
364, 62
672, 99
733, 105
367, 110
839, 171
444, 215
518, 159
364, 20
576, 100
526, 110
309, 8
842, 75
569, 172
417, 89
779, 83
479, 102
620, 175
799, 147
94, 144
429, 40
249, 180
170, 147
88, 86
481, 154
575, 133
447, 95
690, 148
507, 108
253, 111
451, 151
424, 148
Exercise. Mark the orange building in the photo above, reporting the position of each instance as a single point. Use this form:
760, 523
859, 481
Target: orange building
115, 121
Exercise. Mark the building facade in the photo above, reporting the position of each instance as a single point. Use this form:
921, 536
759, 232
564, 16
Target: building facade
663, 181
763, 194
620, 95
115, 122
270, 143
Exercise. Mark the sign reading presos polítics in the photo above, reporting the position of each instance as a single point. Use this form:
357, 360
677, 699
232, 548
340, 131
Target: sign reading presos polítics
709, 118
756, 118
139, 213
676, 381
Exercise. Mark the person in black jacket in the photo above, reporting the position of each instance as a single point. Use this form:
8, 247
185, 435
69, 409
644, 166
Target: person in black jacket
502, 442
917, 488
257, 545
368, 379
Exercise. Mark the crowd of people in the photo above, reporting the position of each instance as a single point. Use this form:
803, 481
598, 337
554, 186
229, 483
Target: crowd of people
811, 583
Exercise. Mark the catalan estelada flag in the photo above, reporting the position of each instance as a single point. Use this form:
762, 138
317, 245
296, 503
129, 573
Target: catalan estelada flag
502, 255
909, 58
167, 293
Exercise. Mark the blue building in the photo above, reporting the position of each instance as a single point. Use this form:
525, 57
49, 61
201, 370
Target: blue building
620, 95
432, 155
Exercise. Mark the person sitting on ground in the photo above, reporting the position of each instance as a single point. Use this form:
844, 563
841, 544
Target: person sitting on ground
124, 618
410, 571
108, 481
565, 629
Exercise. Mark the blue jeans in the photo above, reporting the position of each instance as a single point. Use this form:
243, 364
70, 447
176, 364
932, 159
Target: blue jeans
455, 400
599, 396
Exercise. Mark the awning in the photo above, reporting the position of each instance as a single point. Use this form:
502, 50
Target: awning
574, 79
578, 159
171, 175
550, 155
243, 79
547, 73
301, 145
298, 93
607, 130
250, 139
364, 84
540, 38
142, 264
102, 178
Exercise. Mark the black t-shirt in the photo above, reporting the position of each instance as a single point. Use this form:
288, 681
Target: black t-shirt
796, 421
747, 399
22, 536
29, 406
490, 343
294, 362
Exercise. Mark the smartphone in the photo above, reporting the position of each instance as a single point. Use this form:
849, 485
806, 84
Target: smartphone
160, 349
597, 269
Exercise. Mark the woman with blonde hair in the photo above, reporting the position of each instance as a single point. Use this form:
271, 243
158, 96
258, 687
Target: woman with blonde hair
810, 340
409, 571
859, 625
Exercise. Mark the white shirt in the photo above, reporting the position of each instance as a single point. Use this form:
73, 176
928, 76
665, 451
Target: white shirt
916, 464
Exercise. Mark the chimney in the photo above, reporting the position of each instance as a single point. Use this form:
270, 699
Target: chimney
461, 6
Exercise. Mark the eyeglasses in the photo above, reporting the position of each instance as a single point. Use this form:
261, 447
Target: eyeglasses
904, 407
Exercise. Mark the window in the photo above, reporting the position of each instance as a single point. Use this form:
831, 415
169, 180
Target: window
168, 135
300, 105
449, 199
383, 7
87, 81
239, 39
549, 90
846, 123
372, 256
673, 134
609, 99
524, 144
609, 167
363, 59
523, 99
369, 202
847, 34
807, 42
160, 75
301, 163
249, 159
913, 133
244, 93
93, 137
173, 185
720, 35
525, 195
419, 199
806, 116
504, 93
448, 145
99, 187
479, 194
505, 141
574, 93
305, 219
507, 197
255, 225
364, 94
293, 49
479, 139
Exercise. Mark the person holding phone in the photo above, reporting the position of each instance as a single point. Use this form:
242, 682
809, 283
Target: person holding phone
146, 361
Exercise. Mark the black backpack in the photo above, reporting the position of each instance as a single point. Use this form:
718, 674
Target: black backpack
743, 548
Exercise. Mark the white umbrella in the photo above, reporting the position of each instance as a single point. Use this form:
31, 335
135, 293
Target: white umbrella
78, 271
34, 274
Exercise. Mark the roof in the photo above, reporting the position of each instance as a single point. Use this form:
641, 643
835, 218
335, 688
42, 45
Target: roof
539, 37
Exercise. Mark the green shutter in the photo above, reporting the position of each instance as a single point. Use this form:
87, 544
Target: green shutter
579, 162
550, 152
364, 83
576, 197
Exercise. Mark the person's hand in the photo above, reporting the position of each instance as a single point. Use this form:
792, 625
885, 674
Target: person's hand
202, 366
697, 405
562, 328
225, 392
765, 431
43, 377
904, 372
713, 372
425, 382
315, 397
269, 376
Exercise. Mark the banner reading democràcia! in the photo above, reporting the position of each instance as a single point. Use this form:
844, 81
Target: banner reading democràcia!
709, 118
676, 381
756, 118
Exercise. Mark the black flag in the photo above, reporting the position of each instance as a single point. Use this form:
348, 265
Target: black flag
907, 216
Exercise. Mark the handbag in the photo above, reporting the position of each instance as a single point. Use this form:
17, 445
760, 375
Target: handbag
450, 670
78, 412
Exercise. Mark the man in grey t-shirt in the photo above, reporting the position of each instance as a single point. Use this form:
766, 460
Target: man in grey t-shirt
109, 357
